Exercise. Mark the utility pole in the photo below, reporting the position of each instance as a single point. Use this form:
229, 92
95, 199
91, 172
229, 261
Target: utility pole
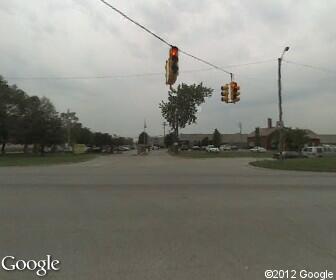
164, 133
145, 126
164, 129
240, 133
69, 119
68, 127
240, 127
281, 124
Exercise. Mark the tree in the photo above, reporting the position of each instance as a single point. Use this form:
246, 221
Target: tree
205, 141
28, 120
181, 108
217, 138
143, 138
169, 139
9, 111
102, 139
69, 120
29, 116
85, 136
295, 139
47, 126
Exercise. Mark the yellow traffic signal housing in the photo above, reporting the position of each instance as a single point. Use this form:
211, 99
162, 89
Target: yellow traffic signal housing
235, 92
225, 93
172, 67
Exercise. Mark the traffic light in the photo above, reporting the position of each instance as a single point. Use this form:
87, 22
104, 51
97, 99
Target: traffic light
172, 67
235, 92
225, 93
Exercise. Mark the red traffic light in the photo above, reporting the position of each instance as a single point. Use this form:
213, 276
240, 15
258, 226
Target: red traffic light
174, 51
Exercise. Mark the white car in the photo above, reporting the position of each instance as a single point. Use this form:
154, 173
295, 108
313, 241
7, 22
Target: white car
225, 148
315, 151
258, 150
212, 149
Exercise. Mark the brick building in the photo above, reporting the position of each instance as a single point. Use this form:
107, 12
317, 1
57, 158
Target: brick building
266, 137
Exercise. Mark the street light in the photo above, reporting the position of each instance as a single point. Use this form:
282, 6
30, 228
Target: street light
281, 124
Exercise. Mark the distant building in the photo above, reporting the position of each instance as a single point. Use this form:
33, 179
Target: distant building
157, 141
236, 139
328, 139
266, 137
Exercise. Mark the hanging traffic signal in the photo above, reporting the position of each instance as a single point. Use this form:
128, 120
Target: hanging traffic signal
225, 93
235, 93
172, 67
174, 58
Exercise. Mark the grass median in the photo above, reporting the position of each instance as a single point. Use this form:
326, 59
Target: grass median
47, 159
226, 154
324, 164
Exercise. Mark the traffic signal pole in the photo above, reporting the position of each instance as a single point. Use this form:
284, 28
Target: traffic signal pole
280, 107
281, 124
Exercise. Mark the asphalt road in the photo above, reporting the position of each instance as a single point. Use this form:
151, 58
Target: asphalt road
161, 217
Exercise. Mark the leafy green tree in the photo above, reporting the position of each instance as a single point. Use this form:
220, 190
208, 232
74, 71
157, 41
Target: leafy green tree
29, 116
69, 120
170, 139
181, 108
128, 141
143, 138
9, 110
217, 138
85, 136
205, 141
47, 126
102, 139
295, 139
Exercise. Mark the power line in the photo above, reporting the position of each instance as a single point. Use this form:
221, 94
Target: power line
311, 67
103, 76
163, 40
251, 63
206, 62
139, 75
136, 23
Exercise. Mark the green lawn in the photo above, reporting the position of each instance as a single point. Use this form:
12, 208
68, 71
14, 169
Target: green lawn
325, 164
226, 154
48, 159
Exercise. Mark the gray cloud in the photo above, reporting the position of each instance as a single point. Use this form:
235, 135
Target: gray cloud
85, 38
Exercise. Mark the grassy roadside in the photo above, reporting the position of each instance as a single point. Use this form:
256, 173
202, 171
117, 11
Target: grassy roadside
228, 154
324, 164
48, 159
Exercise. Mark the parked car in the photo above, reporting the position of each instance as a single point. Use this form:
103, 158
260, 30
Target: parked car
196, 148
258, 150
288, 154
212, 149
329, 150
314, 151
225, 148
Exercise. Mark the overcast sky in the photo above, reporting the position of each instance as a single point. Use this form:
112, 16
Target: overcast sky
86, 38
